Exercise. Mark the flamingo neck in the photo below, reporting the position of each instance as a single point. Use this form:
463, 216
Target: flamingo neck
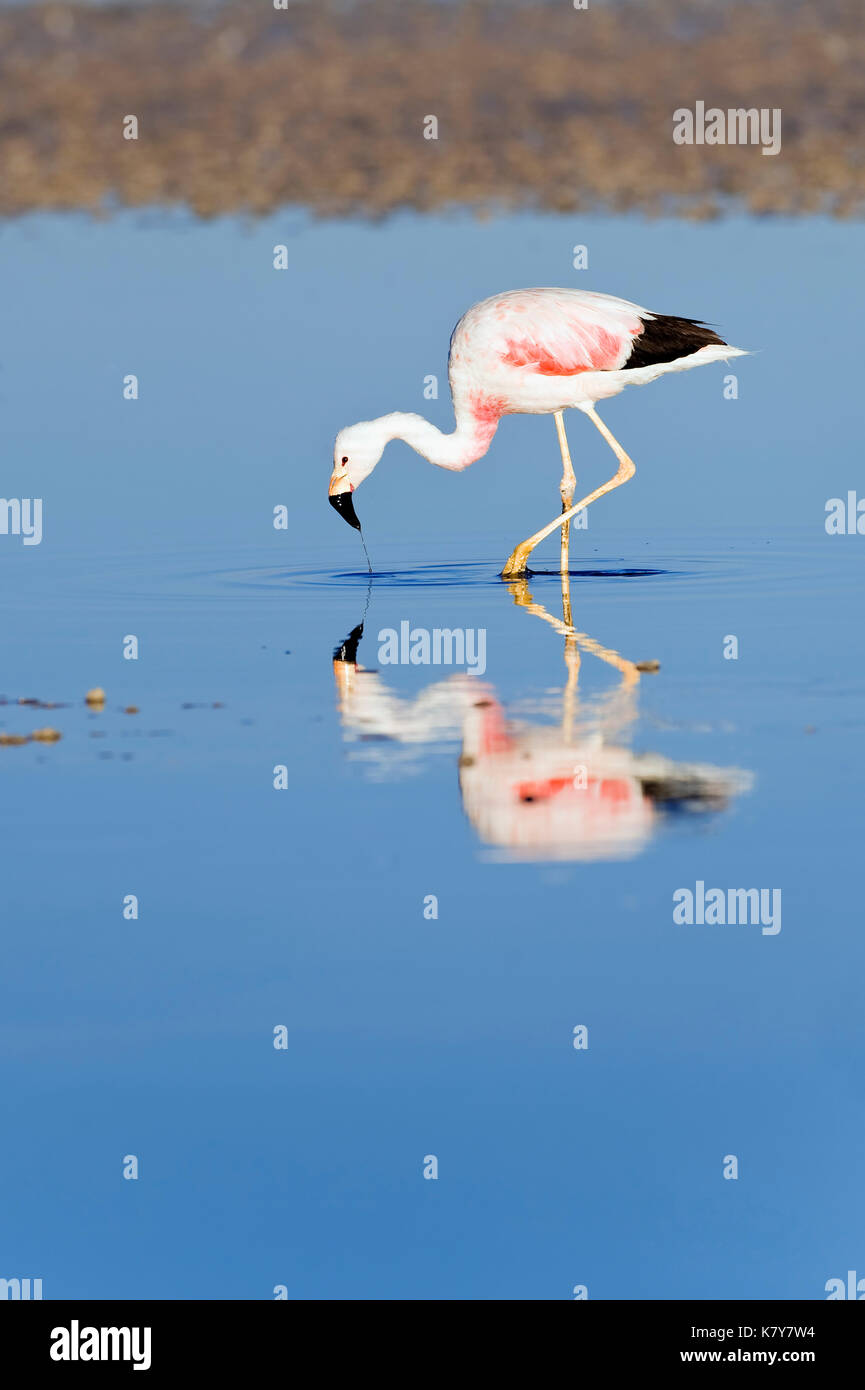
469, 441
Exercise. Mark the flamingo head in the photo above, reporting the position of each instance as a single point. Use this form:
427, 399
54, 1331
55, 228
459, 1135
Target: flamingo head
356, 452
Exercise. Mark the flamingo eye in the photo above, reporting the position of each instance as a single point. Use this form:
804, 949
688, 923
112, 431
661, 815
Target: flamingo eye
345, 458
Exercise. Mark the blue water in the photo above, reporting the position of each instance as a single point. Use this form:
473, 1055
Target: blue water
409, 1035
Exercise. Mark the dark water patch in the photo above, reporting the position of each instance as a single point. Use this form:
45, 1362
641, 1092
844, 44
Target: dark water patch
609, 573
472, 574
475, 574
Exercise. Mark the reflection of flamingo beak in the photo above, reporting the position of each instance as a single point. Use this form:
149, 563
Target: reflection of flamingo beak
339, 496
346, 652
345, 662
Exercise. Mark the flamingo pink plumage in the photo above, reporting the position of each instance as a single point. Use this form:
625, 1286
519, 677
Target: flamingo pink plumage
533, 352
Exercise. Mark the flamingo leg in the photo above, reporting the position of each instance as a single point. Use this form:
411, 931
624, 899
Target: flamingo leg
516, 562
569, 483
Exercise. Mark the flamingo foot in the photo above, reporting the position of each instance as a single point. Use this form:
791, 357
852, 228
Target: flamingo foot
515, 565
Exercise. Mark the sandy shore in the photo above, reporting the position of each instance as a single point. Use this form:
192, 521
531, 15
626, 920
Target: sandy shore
249, 108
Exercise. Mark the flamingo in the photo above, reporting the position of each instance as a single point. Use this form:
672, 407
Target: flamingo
533, 352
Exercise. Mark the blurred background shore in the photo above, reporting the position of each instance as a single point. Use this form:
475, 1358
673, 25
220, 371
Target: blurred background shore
247, 108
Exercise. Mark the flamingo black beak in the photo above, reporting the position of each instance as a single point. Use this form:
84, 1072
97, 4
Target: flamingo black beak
343, 503
339, 496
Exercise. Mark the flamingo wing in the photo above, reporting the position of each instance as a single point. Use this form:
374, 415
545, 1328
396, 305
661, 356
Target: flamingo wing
565, 332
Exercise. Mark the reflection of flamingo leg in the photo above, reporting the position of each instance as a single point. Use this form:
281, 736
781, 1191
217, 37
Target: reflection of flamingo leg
572, 661
566, 600
574, 641
522, 597
569, 483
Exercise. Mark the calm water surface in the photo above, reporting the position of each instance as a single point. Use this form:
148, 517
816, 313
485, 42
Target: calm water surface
552, 804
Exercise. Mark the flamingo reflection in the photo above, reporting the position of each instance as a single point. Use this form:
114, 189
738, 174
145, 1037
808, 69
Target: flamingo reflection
564, 789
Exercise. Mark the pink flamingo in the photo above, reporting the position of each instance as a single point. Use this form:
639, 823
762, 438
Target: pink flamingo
533, 352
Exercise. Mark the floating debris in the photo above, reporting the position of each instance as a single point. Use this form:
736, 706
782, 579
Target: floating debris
94, 700
37, 736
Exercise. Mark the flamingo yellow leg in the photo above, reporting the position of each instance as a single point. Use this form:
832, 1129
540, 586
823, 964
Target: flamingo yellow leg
516, 563
569, 483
